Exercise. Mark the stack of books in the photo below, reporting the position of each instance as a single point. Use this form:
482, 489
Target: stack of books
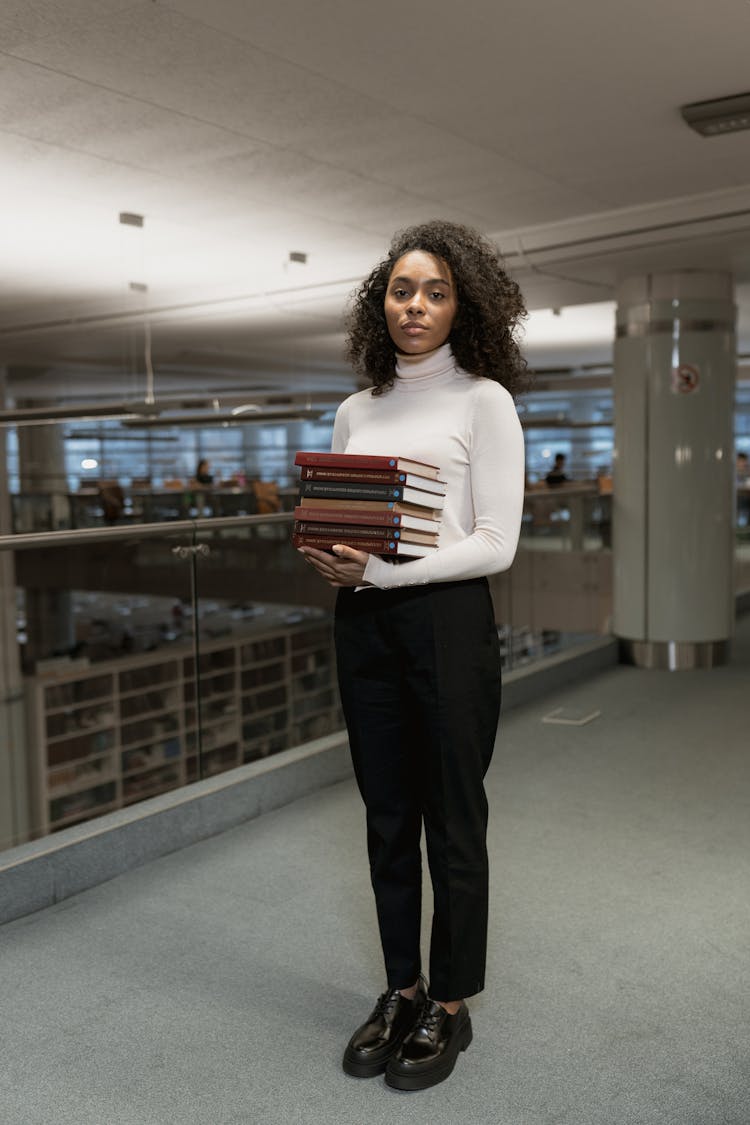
388, 506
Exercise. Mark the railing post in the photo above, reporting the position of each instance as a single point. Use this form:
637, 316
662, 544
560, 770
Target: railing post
192, 553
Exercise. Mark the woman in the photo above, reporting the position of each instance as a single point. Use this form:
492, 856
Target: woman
202, 473
417, 648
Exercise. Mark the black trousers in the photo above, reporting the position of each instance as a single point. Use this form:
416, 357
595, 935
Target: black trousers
419, 674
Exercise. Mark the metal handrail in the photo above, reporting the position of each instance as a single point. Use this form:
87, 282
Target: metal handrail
32, 539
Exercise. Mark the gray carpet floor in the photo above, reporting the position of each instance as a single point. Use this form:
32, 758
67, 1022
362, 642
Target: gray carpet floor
218, 985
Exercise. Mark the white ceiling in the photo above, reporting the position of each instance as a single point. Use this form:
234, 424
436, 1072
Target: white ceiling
243, 131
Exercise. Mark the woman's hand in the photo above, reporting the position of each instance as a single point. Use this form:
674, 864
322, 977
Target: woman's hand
345, 567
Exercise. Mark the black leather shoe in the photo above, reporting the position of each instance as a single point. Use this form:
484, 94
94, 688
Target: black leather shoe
372, 1044
429, 1052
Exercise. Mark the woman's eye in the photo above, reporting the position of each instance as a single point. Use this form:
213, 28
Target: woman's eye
399, 292
437, 295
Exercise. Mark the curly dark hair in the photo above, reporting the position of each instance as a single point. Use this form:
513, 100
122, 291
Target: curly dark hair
490, 308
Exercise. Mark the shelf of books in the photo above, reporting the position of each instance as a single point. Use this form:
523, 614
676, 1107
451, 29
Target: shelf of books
109, 734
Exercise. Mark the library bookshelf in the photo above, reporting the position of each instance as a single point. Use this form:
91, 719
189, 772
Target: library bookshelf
106, 735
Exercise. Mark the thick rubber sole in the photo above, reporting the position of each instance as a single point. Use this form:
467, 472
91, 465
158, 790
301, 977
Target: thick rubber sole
355, 1068
425, 1077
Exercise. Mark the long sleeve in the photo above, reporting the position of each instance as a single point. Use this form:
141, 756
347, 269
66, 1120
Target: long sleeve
341, 428
496, 488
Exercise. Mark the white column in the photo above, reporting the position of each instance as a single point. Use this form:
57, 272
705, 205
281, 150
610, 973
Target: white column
41, 468
673, 468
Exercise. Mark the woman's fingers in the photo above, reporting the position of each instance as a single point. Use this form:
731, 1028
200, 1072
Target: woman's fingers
319, 559
344, 568
348, 554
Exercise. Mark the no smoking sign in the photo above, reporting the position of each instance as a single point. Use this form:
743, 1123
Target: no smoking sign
685, 379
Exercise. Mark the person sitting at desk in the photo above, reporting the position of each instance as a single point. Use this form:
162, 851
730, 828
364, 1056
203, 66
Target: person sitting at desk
202, 474
200, 482
112, 500
556, 475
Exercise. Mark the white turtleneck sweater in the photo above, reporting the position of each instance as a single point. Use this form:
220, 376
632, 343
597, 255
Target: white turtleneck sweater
468, 426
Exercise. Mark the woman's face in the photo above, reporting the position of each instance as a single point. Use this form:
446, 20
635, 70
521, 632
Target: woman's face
420, 303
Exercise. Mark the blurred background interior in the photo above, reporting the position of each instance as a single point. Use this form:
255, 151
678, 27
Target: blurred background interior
189, 196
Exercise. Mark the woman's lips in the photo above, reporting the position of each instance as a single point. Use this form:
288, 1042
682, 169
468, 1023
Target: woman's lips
414, 329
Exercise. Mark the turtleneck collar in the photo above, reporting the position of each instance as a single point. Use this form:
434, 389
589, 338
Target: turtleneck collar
417, 372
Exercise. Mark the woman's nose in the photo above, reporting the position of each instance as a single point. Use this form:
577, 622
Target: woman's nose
415, 304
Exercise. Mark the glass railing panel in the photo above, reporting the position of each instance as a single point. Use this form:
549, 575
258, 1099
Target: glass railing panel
266, 626
558, 593
41, 511
113, 505
145, 659
567, 518
94, 692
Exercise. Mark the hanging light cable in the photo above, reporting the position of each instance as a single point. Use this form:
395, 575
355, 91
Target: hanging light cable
149, 364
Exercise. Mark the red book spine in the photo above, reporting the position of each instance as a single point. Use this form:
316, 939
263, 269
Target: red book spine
345, 489
344, 532
345, 460
347, 515
362, 476
325, 542
357, 461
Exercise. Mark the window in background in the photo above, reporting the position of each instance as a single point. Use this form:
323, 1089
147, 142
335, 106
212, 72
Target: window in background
122, 453
267, 452
12, 459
